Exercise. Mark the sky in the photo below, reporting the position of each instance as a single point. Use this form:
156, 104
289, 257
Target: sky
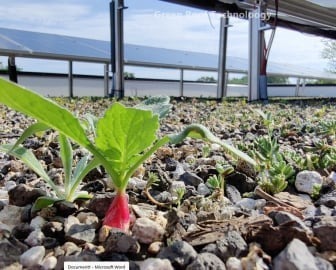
151, 23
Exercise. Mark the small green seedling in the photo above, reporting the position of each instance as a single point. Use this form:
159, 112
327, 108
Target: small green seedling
72, 178
274, 170
217, 182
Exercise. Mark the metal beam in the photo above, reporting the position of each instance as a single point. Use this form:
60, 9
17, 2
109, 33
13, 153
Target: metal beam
221, 86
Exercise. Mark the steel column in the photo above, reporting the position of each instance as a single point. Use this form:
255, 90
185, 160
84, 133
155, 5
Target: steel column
70, 79
222, 78
255, 45
181, 82
106, 79
117, 47
12, 71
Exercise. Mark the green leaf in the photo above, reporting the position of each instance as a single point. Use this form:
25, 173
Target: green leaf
34, 128
82, 195
81, 170
158, 105
31, 161
43, 110
80, 167
261, 113
90, 122
43, 202
198, 131
122, 135
67, 157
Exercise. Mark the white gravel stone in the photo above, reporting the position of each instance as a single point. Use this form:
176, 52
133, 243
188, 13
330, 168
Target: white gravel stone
178, 171
332, 176
233, 263
88, 218
37, 222
10, 185
147, 231
155, 264
49, 263
71, 220
251, 204
136, 183
215, 147
203, 189
4, 227
11, 215
295, 256
306, 180
32, 257
35, 238
4, 196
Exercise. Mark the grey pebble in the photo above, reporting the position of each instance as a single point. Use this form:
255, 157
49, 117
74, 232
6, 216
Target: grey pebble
33, 256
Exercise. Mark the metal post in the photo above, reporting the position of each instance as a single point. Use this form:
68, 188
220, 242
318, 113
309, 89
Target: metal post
106, 79
117, 49
12, 71
221, 86
181, 82
297, 89
304, 82
226, 84
254, 55
70, 79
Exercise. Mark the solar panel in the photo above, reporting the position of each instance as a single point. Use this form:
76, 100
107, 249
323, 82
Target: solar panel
55, 46
151, 56
50, 46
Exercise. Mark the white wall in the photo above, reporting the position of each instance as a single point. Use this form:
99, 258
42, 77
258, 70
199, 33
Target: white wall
94, 86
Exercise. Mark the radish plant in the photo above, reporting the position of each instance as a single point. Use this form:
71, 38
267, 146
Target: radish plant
125, 138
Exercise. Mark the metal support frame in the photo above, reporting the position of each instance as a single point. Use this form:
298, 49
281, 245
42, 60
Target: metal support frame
12, 71
304, 82
222, 76
255, 44
117, 47
106, 79
181, 82
300, 86
70, 79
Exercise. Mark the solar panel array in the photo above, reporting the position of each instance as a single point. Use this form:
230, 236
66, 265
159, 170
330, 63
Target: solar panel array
50, 46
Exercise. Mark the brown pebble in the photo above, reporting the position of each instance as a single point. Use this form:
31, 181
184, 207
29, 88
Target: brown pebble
155, 247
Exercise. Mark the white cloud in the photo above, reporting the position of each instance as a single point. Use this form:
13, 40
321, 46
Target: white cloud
184, 31
57, 18
297, 48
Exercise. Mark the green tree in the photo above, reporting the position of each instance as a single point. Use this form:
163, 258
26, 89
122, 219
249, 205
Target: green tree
270, 80
242, 80
277, 80
207, 79
329, 52
325, 81
129, 75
